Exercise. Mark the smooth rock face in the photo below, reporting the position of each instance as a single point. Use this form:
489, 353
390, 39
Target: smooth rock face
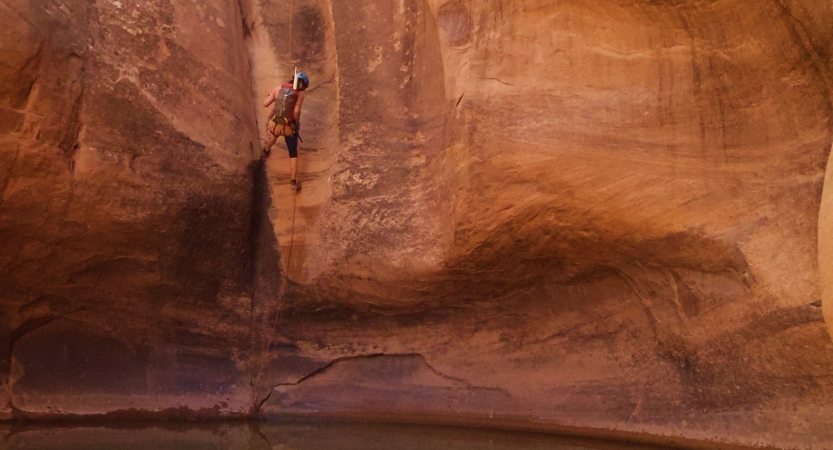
608, 218
125, 204
603, 215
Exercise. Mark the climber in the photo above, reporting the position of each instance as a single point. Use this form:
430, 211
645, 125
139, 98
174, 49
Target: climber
285, 119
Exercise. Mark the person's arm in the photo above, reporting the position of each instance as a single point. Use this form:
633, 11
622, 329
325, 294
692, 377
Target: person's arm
298, 107
269, 99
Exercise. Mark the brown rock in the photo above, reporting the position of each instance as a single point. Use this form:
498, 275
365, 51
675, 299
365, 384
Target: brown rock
599, 216
125, 195
602, 216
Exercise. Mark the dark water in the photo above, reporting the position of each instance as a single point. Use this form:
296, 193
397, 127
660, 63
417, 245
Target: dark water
269, 436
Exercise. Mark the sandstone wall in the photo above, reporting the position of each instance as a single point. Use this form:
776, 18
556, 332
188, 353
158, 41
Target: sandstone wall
611, 220
125, 205
600, 215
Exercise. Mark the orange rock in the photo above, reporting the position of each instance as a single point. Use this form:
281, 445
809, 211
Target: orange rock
597, 216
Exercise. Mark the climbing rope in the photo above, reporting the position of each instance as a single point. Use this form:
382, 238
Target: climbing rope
294, 197
257, 382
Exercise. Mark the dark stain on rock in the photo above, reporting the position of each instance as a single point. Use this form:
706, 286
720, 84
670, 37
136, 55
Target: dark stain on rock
64, 356
275, 21
531, 239
266, 257
215, 228
729, 370
455, 21
202, 372
309, 35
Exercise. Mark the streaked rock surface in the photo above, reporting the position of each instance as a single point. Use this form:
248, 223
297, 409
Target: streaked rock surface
125, 205
605, 215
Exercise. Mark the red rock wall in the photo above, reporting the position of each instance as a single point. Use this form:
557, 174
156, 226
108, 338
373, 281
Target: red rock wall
125, 205
621, 211
593, 215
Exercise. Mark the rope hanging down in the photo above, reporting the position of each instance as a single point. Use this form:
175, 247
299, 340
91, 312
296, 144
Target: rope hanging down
258, 379
295, 195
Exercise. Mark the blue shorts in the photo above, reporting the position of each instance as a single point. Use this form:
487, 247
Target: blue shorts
292, 145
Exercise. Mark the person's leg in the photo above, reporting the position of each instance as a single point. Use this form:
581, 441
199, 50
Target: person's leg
269, 144
292, 146
293, 167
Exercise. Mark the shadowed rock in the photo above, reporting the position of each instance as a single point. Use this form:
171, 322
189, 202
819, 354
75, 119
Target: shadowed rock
601, 215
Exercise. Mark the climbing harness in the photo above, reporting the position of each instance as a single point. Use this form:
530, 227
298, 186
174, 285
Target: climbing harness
282, 121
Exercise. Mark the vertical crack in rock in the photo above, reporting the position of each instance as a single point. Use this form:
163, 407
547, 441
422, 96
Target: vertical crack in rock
254, 428
268, 278
70, 142
263, 21
244, 13
269, 283
30, 66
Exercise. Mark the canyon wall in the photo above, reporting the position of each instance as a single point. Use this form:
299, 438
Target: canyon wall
601, 216
125, 205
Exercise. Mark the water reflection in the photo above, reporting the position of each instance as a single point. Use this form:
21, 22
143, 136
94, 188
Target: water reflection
270, 436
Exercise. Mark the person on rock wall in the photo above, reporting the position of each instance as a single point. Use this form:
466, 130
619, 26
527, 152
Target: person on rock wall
285, 119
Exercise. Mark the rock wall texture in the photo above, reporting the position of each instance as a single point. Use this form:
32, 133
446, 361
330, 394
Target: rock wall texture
604, 215
125, 205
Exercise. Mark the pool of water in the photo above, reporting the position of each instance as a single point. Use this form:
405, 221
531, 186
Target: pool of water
271, 436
